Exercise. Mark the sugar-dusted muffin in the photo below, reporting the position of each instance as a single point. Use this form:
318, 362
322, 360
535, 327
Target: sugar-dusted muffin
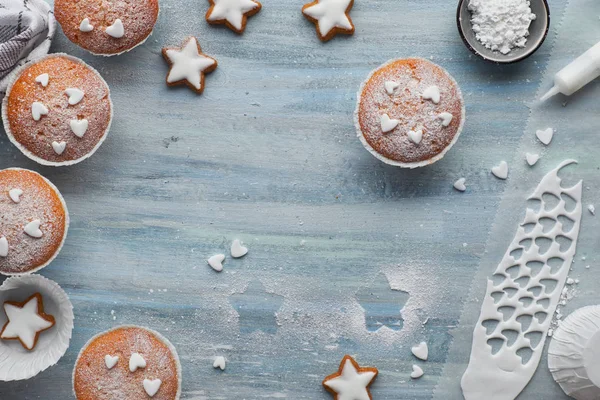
127, 362
409, 112
33, 221
107, 27
57, 110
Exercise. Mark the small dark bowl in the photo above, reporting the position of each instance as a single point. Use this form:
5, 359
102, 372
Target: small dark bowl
538, 30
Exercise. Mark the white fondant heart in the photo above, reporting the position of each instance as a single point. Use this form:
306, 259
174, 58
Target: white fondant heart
116, 30
37, 110
151, 386
237, 250
43, 79
3, 247
15, 194
460, 185
446, 118
415, 136
33, 229
532, 159
390, 86
110, 361
216, 262
136, 361
500, 171
219, 363
417, 372
59, 148
388, 124
421, 351
592, 209
79, 127
545, 136
75, 95
85, 25
432, 93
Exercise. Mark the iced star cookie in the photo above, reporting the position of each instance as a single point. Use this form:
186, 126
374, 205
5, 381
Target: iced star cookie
107, 27
233, 13
26, 321
350, 381
127, 362
330, 17
57, 110
33, 221
409, 112
188, 65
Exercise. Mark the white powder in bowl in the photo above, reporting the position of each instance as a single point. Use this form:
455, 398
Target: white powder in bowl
501, 25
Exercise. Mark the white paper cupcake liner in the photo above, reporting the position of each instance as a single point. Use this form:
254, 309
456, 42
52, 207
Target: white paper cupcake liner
16, 362
67, 222
13, 78
163, 339
400, 163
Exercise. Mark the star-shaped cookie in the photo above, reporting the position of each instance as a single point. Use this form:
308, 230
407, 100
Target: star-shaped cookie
233, 13
351, 382
188, 65
26, 321
330, 17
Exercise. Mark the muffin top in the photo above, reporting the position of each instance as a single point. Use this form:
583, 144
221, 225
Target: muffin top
58, 110
85, 23
409, 111
94, 380
25, 198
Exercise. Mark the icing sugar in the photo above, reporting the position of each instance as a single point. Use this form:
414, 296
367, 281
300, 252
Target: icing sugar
231, 11
330, 14
501, 25
25, 322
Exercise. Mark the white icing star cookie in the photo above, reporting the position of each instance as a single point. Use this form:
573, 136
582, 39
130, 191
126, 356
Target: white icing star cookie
188, 65
26, 321
330, 17
233, 13
351, 381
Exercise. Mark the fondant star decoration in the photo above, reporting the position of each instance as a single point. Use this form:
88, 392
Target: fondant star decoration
26, 321
188, 65
351, 382
233, 13
330, 17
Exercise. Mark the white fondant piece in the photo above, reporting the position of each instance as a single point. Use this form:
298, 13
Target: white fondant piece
216, 262
592, 209
237, 250
3, 246
24, 323
116, 30
75, 95
432, 93
390, 86
219, 362
388, 124
446, 118
351, 384
151, 386
59, 148
518, 306
110, 361
415, 136
545, 136
460, 185
33, 229
188, 64
421, 351
231, 11
500, 171
330, 14
417, 372
43, 79
37, 110
532, 159
79, 127
15, 194
85, 25
136, 361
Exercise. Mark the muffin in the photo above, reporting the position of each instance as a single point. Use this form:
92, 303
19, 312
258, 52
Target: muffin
33, 221
127, 362
57, 110
107, 27
409, 112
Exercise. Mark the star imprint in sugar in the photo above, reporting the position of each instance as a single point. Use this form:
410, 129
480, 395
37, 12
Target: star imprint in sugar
256, 308
382, 304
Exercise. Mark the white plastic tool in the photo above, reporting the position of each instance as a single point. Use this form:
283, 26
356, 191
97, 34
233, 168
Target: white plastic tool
576, 75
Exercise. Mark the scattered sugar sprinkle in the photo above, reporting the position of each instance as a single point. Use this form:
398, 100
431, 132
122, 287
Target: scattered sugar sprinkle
592, 209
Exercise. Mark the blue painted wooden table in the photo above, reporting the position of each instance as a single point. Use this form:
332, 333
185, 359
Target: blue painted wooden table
347, 255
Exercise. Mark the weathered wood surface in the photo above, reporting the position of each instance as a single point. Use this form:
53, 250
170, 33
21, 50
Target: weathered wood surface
269, 155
